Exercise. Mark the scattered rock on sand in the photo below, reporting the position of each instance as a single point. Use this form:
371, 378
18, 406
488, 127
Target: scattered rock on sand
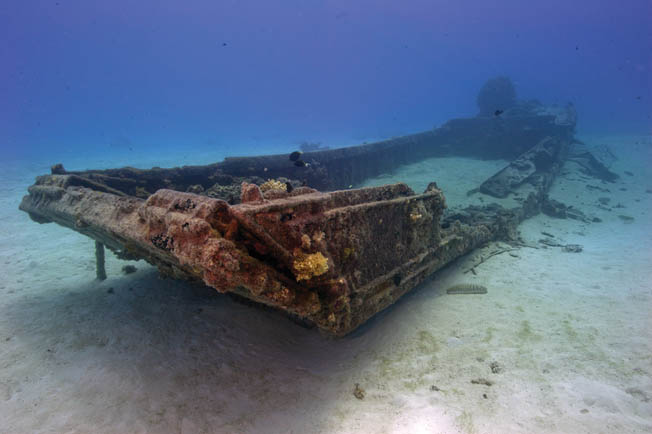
626, 218
128, 269
358, 391
467, 288
572, 248
556, 209
496, 368
482, 381
595, 187
638, 394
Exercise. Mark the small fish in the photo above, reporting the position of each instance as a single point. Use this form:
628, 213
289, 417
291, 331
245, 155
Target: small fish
498, 112
288, 187
295, 155
300, 163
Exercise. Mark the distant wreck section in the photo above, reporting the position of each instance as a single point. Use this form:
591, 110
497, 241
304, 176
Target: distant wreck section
297, 237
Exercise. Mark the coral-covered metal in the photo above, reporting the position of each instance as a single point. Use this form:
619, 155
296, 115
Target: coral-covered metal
333, 259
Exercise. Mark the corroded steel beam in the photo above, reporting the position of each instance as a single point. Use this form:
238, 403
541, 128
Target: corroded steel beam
334, 259
333, 169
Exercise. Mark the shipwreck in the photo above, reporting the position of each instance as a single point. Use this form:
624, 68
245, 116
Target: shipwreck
298, 237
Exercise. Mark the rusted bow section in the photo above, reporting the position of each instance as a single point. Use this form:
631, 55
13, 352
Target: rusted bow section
334, 259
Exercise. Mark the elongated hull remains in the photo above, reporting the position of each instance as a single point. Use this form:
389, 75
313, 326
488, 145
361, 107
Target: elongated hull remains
332, 258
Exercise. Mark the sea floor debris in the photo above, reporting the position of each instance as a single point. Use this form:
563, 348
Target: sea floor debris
467, 288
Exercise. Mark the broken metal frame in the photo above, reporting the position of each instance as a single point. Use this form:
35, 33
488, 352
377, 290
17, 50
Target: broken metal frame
333, 259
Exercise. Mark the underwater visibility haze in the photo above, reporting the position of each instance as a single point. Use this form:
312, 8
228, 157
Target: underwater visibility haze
113, 76
438, 220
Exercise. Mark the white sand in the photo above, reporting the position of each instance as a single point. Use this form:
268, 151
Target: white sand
571, 332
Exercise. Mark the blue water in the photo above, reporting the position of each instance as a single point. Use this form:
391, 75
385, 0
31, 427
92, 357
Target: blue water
206, 79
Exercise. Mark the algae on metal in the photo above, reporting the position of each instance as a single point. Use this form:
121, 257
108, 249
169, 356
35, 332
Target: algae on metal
331, 258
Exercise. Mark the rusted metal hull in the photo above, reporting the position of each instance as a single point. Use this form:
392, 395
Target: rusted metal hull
337, 169
334, 259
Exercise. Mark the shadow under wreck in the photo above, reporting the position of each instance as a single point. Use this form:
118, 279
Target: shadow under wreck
303, 241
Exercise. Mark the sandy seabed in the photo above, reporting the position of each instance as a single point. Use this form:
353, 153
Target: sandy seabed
561, 343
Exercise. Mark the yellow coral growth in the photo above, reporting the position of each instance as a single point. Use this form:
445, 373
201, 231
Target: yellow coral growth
310, 265
273, 184
415, 216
